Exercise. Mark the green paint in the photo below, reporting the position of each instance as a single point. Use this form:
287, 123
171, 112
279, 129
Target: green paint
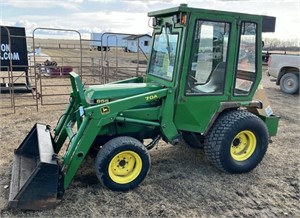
166, 101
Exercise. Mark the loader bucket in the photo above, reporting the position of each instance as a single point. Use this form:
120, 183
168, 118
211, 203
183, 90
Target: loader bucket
35, 172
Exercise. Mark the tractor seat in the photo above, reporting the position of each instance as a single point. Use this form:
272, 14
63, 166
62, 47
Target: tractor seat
215, 82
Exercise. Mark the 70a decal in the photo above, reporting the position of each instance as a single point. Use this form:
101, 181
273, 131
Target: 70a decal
151, 97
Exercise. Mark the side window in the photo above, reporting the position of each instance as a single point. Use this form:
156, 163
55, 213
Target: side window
208, 59
246, 67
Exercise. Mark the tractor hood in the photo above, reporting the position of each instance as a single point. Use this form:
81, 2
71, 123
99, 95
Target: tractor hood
109, 92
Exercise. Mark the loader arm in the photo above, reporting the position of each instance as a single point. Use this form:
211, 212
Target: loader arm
77, 100
96, 117
77, 87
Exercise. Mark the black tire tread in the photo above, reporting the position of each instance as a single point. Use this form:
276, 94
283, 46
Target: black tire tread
216, 134
109, 147
296, 88
193, 140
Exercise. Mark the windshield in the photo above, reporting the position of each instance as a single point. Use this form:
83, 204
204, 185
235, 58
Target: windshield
163, 54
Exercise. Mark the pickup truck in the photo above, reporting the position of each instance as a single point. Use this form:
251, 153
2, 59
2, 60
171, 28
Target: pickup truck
284, 69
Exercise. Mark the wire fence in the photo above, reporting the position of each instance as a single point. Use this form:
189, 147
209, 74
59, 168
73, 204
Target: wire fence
45, 82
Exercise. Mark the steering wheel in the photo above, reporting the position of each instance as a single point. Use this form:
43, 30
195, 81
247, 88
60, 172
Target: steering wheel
191, 81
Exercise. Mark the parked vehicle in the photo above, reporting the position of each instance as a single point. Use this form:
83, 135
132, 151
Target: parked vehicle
172, 102
284, 69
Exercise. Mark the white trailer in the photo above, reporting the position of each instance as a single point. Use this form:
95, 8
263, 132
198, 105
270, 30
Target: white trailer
135, 42
103, 41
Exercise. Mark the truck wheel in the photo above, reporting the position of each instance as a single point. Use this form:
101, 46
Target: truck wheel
192, 139
122, 163
289, 83
237, 142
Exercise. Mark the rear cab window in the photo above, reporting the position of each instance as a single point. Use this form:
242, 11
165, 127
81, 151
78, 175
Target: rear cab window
246, 70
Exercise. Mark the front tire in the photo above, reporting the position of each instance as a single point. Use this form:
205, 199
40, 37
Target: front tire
237, 142
289, 83
122, 163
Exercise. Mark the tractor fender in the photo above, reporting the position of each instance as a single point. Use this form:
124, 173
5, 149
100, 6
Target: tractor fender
225, 106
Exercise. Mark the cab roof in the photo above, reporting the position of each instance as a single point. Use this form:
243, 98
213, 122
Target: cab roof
268, 22
185, 8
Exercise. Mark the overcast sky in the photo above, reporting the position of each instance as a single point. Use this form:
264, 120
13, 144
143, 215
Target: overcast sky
130, 16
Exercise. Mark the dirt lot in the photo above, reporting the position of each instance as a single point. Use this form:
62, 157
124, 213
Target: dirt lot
181, 183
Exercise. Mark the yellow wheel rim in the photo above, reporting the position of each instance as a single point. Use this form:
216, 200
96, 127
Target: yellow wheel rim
243, 145
125, 167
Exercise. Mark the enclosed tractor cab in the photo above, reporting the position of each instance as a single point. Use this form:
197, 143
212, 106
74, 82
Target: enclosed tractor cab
202, 76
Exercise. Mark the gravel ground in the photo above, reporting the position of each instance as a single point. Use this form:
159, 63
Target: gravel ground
181, 183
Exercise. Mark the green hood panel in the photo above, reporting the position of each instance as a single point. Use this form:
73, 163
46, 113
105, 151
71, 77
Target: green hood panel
117, 91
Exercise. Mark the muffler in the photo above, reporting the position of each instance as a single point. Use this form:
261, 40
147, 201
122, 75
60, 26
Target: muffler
36, 180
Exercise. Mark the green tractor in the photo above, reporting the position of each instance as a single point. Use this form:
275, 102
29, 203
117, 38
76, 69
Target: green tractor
203, 72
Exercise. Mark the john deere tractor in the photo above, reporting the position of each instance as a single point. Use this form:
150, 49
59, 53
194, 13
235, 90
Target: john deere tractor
203, 73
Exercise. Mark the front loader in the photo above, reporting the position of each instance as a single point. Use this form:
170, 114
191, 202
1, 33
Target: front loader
201, 88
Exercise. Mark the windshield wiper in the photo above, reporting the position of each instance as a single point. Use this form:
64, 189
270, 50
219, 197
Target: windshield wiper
168, 41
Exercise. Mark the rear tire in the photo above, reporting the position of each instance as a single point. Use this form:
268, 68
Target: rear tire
237, 142
122, 163
289, 83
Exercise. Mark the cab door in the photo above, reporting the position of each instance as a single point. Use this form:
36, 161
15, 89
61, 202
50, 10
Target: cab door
207, 70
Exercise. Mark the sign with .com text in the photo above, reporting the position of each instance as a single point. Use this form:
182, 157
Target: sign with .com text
13, 49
